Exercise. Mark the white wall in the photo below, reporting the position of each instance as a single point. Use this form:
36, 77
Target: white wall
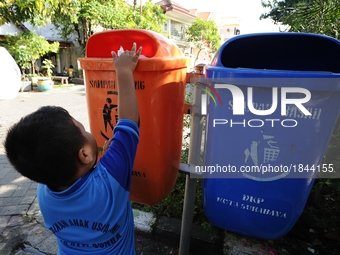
9, 29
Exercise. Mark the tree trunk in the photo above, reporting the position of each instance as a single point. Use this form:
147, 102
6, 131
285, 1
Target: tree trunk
33, 67
197, 56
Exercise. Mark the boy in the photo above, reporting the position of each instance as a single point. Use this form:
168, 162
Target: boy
84, 203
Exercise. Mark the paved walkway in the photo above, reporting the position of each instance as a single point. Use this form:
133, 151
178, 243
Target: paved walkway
18, 207
22, 230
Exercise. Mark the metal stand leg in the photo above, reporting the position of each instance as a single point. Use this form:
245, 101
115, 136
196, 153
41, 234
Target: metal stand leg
190, 184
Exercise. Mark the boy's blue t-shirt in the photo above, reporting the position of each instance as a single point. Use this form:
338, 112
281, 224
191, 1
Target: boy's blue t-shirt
94, 215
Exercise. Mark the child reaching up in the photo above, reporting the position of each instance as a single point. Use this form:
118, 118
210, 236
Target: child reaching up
85, 203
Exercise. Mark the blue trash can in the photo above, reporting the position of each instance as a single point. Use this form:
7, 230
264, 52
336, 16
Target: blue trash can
277, 102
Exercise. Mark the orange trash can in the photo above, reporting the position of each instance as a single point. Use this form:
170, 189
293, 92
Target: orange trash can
160, 81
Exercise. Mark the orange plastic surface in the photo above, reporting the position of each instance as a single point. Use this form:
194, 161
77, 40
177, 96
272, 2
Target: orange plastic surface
154, 45
160, 86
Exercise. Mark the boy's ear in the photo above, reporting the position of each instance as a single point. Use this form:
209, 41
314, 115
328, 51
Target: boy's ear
85, 156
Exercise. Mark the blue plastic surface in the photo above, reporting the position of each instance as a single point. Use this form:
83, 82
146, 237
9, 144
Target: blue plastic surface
268, 205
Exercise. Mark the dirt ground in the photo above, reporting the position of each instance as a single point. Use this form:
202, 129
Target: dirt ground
146, 245
316, 232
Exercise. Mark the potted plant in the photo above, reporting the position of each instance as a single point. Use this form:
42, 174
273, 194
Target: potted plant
46, 83
26, 84
33, 77
27, 47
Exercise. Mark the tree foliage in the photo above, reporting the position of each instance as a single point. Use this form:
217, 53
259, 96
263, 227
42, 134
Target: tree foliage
27, 47
149, 16
204, 33
278, 10
37, 12
79, 19
321, 17
312, 16
89, 16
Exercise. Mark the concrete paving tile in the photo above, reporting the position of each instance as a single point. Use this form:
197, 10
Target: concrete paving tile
8, 166
7, 190
3, 222
22, 179
34, 185
4, 170
29, 196
4, 160
14, 210
21, 190
42, 239
2, 247
7, 201
21, 252
15, 221
49, 245
34, 212
10, 177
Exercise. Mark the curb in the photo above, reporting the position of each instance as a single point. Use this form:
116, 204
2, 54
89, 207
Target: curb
144, 221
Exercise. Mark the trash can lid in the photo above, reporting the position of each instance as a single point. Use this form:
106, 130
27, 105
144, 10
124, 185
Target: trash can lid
305, 60
281, 51
158, 52
101, 44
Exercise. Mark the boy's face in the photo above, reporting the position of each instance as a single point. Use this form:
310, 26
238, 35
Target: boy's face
90, 141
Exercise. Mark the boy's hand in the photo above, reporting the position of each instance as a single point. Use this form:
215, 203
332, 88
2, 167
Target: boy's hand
127, 60
124, 66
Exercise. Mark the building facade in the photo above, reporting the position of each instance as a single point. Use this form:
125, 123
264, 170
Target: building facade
68, 50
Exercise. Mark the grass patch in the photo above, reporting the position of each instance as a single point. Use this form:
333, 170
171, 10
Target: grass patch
57, 86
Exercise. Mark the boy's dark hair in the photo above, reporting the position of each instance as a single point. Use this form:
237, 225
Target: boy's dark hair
44, 145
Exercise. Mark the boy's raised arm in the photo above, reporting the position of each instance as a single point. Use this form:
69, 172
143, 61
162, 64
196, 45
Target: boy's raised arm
125, 64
